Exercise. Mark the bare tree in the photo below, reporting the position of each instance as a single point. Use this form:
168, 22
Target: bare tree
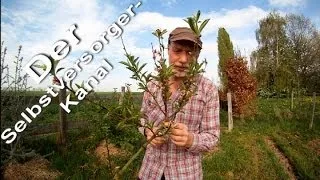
14, 88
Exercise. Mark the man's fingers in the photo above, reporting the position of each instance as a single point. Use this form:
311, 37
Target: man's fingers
179, 126
175, 138
149, 132
157, 141
178, 143
179, 132
153, 143
178, 138
175, 131
149, 137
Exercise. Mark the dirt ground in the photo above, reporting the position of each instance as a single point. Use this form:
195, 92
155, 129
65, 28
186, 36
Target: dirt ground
37, 168
315, 145
102, 151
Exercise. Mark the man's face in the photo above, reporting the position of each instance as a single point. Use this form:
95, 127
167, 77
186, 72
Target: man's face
181, 54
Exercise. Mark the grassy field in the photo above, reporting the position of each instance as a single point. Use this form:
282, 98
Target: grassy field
243, 153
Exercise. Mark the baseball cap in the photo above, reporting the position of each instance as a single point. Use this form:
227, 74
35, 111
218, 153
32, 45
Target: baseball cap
184, 33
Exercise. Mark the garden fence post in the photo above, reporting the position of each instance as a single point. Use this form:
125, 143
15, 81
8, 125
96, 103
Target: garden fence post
291, 100
123, 90
314, 106
230, 120
63, 118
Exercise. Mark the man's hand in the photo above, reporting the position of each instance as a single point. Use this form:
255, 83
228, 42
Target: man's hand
158, 141
180, 135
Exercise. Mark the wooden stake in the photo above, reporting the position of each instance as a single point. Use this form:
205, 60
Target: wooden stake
291, 100
63, 119
314, 106
230, 120
123, 90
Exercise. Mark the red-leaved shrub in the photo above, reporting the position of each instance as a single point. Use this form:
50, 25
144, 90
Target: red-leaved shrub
242, 85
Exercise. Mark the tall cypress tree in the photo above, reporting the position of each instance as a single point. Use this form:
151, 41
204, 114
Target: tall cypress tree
225, 51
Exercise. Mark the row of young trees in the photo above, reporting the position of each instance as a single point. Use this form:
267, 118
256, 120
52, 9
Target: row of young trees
286, 60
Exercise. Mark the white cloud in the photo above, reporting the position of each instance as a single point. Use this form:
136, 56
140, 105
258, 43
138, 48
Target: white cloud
37, 26
245, 46
240, 20
154, 20
237, 18
49, 23
283, 3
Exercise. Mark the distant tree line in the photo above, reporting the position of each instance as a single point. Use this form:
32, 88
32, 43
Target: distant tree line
288, 54
287, 60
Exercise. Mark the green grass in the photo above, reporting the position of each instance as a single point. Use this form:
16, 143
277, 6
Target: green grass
305, 161
78, 161
242, 153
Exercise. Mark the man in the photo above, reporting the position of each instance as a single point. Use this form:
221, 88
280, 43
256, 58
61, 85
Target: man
196, 129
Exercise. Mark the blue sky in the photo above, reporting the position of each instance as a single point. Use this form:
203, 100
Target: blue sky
38, 24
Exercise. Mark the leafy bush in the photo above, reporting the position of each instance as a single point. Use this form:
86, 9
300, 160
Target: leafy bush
117, 121
242, 85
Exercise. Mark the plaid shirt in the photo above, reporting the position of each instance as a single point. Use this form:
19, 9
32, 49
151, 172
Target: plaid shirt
201, 115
